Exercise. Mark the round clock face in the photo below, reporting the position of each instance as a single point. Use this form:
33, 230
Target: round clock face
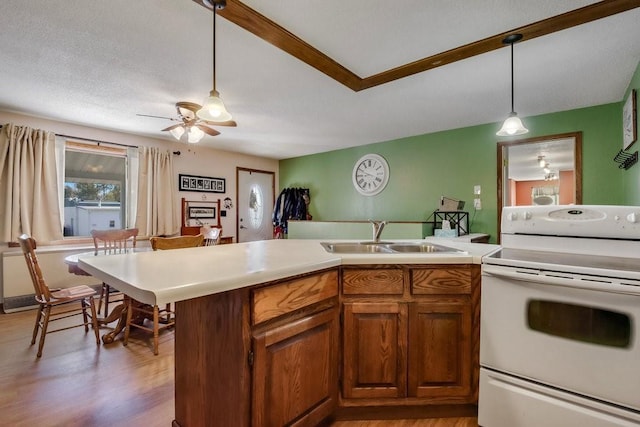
370, 174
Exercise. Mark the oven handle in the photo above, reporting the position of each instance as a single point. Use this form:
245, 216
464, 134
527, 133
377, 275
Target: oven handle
567, 280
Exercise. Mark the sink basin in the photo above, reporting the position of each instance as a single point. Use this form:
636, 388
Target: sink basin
385, 248
356, 248
421, 247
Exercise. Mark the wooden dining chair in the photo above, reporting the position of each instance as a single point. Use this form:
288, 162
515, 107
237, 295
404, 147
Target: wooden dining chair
136, 312
112, 241
50, 299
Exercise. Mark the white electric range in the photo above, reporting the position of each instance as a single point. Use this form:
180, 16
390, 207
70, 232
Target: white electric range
560, 312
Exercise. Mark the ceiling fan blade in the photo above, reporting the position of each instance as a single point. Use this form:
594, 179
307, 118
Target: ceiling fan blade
231, 123
172, 127
158, 117
208, 130
191, 106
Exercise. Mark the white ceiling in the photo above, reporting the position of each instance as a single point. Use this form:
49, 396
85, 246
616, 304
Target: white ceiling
523, 159
101, 63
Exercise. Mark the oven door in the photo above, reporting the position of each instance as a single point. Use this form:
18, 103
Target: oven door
557, 332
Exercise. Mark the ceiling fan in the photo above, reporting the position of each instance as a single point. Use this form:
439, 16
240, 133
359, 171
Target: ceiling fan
191, 124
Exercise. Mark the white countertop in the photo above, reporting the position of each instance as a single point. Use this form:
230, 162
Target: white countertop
174, 275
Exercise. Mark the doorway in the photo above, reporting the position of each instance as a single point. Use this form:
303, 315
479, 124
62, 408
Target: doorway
256, 194
520, 160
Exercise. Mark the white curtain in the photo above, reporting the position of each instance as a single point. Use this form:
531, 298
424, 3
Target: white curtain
133, 171
157, 207
29, 190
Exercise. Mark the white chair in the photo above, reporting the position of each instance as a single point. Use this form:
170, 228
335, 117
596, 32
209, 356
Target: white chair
212, 236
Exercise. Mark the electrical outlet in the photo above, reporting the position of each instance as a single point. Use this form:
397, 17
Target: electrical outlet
477, 204
477, 190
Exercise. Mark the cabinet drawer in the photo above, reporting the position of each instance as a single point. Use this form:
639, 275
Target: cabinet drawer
447, 280
383, 281
273, 301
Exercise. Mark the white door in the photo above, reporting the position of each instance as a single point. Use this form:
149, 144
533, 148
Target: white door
255, 204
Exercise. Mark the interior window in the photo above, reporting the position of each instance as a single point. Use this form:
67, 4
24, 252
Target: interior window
94, 188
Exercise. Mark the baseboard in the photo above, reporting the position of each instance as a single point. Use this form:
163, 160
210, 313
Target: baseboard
405, 412
19, 303
28, 302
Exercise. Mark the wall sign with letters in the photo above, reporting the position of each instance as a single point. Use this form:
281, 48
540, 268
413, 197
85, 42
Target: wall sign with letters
201, 183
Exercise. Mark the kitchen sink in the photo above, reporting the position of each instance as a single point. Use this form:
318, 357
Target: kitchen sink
356, 248
386, 248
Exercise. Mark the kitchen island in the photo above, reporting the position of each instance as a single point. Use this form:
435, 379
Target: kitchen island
258, 331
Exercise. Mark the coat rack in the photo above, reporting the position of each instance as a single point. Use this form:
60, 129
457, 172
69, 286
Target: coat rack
626, 160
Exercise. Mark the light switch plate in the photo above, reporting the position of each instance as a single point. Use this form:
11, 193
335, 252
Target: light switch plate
477, 190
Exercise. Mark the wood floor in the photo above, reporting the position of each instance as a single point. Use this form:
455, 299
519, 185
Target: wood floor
76, 383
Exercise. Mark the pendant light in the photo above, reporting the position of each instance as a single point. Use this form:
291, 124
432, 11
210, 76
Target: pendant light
213, 109
512, 125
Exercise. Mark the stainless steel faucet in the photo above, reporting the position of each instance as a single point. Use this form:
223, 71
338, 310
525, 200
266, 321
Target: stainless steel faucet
378, 226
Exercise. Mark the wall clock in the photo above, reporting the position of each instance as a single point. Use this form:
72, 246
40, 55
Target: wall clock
370, 174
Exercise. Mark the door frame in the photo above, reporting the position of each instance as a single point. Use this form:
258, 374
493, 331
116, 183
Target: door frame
273, 192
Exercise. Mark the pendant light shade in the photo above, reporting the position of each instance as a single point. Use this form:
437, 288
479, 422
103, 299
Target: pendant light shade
512, 125
194, 134
213, 109
177, 132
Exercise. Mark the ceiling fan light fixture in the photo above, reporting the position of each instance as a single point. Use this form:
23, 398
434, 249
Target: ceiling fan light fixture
541, 161
213, 109
512, 125
194, 134
177, 132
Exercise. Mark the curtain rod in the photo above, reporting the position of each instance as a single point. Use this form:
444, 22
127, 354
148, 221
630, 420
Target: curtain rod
96, 141
177, 153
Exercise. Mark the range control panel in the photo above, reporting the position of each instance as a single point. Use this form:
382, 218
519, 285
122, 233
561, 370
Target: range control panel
603, 221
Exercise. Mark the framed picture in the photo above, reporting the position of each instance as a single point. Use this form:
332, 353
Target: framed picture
629, 121
201, 183
202, 212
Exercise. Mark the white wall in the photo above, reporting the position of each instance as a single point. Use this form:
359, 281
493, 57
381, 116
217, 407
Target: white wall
195, 159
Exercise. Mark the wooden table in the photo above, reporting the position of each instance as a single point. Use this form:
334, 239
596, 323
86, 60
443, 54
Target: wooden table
119, 312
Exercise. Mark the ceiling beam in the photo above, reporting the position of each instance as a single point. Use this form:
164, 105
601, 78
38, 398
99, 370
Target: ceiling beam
256, 23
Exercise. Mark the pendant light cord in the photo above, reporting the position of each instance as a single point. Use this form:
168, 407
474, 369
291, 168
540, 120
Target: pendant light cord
512, 85
213, 8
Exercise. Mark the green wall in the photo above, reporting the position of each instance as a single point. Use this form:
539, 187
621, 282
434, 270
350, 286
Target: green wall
450, 163
632, 175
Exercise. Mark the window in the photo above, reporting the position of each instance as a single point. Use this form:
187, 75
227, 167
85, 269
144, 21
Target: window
256, 208
94, 188
580, 323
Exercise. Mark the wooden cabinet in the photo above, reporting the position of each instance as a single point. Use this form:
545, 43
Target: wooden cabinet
261, 356
295, 372
375, 350
440, 349
295, 351
271, 355
413, 341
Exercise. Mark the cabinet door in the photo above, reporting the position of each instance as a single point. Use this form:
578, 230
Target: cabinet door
440, 350
375, 350
295, 379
